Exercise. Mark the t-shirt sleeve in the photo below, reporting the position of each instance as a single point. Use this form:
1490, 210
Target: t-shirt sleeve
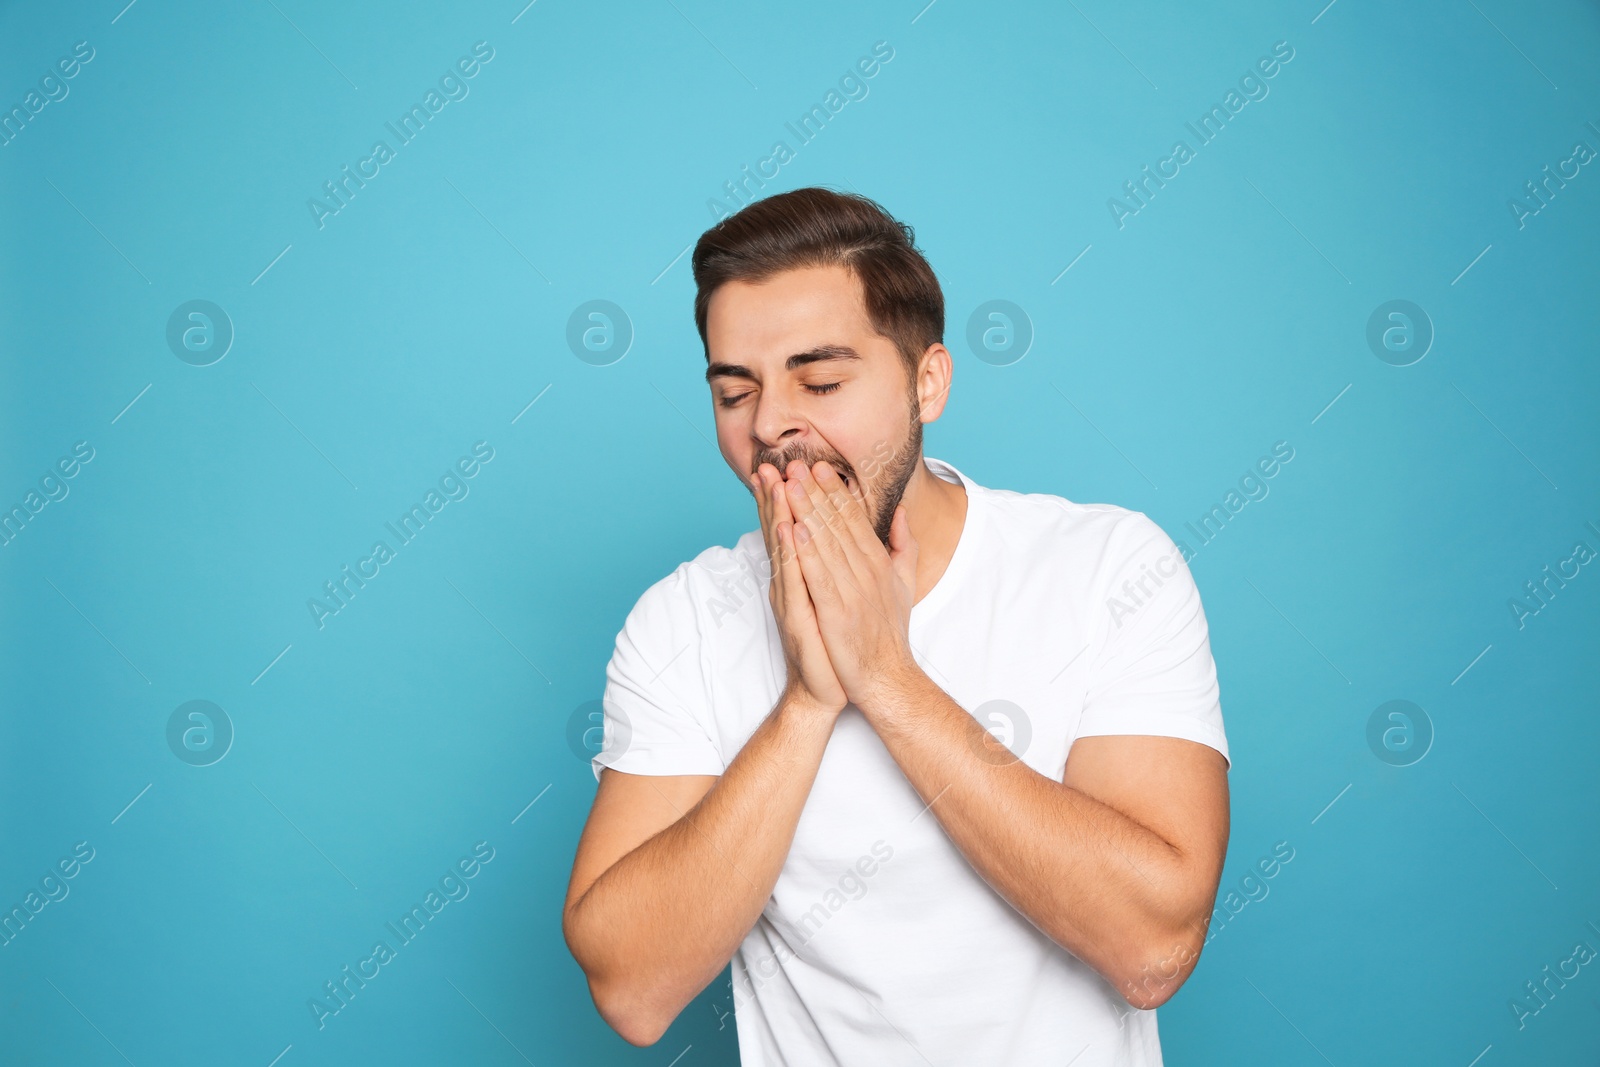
1154, 673
656, 701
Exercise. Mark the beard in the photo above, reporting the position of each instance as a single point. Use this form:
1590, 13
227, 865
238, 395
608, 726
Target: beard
881, 479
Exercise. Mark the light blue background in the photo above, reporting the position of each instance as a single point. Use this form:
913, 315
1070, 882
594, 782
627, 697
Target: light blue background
1228, 314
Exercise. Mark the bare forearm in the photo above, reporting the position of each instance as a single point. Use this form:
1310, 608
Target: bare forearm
1101, 885
659, 925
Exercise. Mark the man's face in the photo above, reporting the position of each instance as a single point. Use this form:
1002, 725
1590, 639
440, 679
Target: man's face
797, 372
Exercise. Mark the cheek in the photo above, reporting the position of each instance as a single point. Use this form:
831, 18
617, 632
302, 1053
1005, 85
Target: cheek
733, 441
867, 428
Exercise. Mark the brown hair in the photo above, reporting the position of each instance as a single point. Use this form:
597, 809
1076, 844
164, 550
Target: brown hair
815, 227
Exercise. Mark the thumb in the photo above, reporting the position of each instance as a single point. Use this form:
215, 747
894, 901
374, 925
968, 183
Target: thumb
903, 547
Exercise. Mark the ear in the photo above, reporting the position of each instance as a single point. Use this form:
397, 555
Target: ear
934, 372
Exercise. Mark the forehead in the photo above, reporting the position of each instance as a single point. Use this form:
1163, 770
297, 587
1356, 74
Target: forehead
805, 306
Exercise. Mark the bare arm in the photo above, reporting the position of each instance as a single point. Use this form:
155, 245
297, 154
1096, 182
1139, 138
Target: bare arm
652, 928
1117, 863
672, 872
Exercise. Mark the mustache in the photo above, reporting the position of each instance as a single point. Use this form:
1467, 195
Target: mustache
838, 463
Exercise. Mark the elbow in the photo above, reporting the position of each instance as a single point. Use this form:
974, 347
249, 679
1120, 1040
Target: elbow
632, 1022
617, 1005
1147, 994
1158, 956
1153, 973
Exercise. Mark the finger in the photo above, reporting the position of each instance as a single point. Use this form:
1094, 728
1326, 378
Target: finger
769, 479
796, 594
850, 508
782, 514
792, 489
753, 480
833, 544
809, 503
764, 509
803, 505
817, 572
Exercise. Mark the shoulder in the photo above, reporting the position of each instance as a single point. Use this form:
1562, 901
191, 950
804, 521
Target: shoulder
1097, 536
720, 578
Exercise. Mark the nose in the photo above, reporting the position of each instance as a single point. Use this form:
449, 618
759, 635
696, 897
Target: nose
777, 426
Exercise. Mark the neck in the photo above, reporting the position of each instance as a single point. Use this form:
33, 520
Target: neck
936, 511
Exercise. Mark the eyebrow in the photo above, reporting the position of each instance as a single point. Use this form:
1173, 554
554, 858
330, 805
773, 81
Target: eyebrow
800, 359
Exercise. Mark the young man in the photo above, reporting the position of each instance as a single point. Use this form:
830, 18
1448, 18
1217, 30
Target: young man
940, 768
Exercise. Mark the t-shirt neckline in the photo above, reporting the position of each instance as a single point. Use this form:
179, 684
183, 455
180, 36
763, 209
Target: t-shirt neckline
966, 545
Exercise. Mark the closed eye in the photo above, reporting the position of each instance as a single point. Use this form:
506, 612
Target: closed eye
819, 390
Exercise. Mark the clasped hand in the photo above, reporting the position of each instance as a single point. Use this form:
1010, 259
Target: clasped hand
842, 601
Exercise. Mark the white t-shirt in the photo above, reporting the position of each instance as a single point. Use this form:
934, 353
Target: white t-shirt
881, 945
